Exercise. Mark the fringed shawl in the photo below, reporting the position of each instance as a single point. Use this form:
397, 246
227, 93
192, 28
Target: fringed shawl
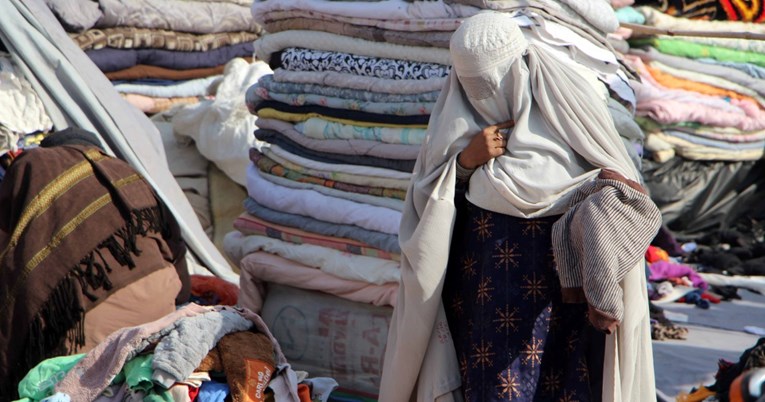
72, 225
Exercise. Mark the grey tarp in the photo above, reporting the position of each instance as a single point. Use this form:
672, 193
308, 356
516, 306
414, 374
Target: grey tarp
76, 93
699, 197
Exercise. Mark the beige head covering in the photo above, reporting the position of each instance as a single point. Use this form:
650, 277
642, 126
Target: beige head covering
564, 132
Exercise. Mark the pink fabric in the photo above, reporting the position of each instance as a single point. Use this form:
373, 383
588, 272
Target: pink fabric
623, 33
96, 370
251, 290
265, 267
670, 106
621, 3
662, 270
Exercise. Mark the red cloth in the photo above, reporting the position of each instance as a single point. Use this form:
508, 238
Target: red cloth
211, 290
193, 392
304, 393
654, 254
710, 297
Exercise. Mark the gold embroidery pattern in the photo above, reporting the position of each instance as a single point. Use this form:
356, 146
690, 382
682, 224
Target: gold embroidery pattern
506, 255
507, 319
483, 226
533, 352
483, 355
533, 227
534, 287
468, 266
509, 385
551, 382
484, 291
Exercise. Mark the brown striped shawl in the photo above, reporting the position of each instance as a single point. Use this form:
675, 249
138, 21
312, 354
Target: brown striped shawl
604, 234
75, 226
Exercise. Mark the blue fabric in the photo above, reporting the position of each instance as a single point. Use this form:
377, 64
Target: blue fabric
515, 339
383, 241
751, 69
708, 142
212, 391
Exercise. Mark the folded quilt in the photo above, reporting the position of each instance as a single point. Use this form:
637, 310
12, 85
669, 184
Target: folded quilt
257, 93
378, 240
270, 268
371, 33
251, 225
196, 87
142, 71
319, 206
274, 137
689, 150
333, 79
409, 25
270, 84
325, 129
353, 115
302, 59
269, 44
268, 165
136, 38
177, 15
110, 59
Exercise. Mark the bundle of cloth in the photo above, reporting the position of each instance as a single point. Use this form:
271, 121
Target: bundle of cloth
160, 53
341, 122
24, 122
197, 353
701, 103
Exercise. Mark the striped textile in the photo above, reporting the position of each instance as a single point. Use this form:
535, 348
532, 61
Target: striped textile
600, 238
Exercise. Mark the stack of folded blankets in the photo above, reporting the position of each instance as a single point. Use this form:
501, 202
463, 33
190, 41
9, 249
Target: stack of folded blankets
23, 119
340, 124
159, 53
701, 102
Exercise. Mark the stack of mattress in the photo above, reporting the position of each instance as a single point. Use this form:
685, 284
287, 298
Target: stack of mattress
340, 124
160, 53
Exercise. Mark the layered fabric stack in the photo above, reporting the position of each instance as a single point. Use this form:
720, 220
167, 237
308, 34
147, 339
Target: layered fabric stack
340, 124
159, 53
701, 102
24, 122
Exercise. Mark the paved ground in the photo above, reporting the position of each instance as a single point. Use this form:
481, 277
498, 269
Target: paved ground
713, 334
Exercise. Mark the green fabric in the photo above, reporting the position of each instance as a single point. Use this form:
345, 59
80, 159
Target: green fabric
42, 379
692, 50
138, 373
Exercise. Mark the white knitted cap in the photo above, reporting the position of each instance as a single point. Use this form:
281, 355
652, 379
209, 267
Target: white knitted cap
483, 48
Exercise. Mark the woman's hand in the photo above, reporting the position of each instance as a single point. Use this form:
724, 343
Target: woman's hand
487, 144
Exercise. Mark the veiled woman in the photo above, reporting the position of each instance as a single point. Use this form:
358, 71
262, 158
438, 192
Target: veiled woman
533, 291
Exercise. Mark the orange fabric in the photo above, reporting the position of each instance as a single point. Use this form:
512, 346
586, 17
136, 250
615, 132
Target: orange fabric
671, 81
258, 375
654, 254
304, 393
699, 395
211, 290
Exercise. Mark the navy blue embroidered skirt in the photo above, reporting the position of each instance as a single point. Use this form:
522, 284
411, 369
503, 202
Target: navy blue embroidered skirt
515, 339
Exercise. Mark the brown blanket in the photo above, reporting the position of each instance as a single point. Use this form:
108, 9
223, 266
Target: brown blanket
76, 225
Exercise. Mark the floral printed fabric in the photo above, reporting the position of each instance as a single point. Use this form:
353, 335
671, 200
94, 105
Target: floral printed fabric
515, 339
724, 10
299, 59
